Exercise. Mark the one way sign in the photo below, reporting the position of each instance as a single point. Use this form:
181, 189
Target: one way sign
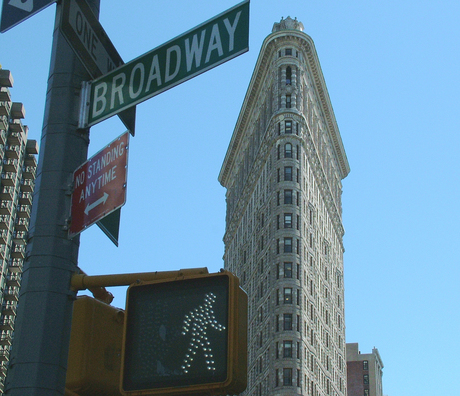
16, 11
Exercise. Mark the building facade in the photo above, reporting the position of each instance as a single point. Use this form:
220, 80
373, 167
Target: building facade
364, 372
284, 233
17, 169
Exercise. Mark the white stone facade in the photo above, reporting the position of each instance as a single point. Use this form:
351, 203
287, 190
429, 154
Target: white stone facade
284, 233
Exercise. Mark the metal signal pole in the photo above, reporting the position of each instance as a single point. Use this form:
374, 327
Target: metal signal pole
42, 331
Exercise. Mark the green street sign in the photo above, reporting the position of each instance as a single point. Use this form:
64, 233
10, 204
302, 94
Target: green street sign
208, 45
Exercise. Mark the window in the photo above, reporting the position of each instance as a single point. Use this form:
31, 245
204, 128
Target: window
278, 154
288, 123
288, 75
287, 295
276, 377
277, 323
288, 105
287, 349
287, 377
287, 321
288, 173
288, 196
366, 379
288, 220
277, 354
287, 245
288, 52
365, 365
366, 392
288, 270
277, 222
287, 150
278, 198
278, 177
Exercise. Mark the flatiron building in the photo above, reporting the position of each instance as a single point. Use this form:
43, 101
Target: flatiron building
283, 176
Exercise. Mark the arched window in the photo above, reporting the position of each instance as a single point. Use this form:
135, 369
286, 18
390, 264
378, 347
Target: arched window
288, 75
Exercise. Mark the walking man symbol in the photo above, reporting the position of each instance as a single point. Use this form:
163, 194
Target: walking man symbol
198, 323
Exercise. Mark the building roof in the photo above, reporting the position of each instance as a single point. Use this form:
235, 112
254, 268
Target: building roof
287, 28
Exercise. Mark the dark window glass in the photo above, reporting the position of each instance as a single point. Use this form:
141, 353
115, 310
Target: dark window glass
288, 124
287, 245
287, 150
288, 270
366, 379
288, 52
288, 75
288, 173
287, 295
288, 104
288, 220
288, 196
365, 365
287, 377
287, 321
287, 349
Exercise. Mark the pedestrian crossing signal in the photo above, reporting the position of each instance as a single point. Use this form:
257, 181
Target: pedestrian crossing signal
186, 336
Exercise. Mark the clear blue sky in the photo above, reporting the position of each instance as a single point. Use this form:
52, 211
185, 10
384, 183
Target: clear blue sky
392, 71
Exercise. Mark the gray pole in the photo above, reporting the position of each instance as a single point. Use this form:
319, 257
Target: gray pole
42, 331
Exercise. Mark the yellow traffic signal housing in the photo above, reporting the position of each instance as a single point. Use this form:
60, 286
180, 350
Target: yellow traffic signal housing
185, 337
94, 361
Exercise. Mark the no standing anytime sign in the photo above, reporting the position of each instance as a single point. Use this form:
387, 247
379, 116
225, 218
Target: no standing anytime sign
99, 185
